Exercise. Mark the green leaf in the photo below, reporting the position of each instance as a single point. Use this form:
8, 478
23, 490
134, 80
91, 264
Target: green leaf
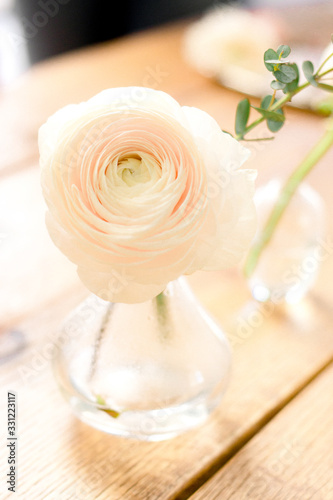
242, 116
274, 123
308, 70
275, 85
271, 115
270, 54
285, 74
290, 87
284, 51
274, 126
266, 101
266, 113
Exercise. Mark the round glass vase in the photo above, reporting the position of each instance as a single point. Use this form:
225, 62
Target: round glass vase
148, 371
289, 264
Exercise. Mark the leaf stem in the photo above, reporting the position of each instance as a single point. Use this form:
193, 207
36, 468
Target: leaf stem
323, 64
259, 139
283, 100
319, 150
277, 105
318, 77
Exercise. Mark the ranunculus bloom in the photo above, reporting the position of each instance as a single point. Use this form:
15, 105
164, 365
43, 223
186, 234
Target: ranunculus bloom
141, 190
228, 43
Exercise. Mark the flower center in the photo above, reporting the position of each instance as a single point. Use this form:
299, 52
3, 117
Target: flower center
133, 170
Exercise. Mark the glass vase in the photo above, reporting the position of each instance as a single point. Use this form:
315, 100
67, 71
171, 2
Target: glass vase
148, 371
289, 264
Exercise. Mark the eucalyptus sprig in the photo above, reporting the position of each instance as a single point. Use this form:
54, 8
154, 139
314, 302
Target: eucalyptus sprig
286, 80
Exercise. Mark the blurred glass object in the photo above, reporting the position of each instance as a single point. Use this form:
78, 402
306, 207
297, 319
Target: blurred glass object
289, 264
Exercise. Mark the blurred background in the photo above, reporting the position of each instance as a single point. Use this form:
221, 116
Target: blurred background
34, 30
76, 23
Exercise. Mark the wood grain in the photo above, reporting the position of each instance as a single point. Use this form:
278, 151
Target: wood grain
62, 458
290, 459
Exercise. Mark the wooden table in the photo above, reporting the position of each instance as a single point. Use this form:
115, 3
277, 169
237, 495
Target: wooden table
272, 437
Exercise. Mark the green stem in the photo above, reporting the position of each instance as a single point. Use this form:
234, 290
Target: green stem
162, 313
160, 300
319, 77
275, 107
323, 64
99, 340
259, 139
319, 150
283, 100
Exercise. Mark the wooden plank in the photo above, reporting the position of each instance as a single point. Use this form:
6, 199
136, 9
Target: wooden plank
290, 459
61, 458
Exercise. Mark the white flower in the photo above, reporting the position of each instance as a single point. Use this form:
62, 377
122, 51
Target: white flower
228, 43
141, 190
